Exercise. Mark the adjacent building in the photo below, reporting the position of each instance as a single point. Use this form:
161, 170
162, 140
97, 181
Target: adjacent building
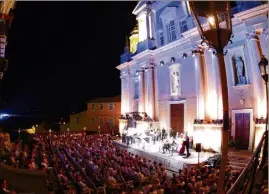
169, 80
104, 113
101, 114
78, 121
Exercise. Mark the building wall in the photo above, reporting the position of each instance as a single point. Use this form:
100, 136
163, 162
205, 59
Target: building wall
106, 118
198, 82
79, 121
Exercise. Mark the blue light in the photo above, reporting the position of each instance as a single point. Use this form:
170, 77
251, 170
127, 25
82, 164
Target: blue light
4, 115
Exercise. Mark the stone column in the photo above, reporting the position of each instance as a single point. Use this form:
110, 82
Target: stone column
215, 63
127, 95
200, 87
122, 95
255, 53
141, 107
125, 92
150, 105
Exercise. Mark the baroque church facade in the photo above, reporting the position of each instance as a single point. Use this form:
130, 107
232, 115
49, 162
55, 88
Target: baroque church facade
169, 80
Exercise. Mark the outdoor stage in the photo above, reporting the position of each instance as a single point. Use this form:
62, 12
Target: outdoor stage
173, 161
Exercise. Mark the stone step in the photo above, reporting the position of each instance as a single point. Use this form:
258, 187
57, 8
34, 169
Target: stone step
235, 163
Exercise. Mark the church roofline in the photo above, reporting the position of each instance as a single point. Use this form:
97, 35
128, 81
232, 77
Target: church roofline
192, 34
139, 7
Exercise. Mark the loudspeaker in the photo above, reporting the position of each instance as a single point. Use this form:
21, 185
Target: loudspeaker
198, 147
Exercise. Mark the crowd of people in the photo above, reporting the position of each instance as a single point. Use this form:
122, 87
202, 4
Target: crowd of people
92, 163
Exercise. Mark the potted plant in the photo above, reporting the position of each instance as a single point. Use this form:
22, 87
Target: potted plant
233, 143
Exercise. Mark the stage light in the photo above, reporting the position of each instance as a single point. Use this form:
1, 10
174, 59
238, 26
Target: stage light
4, 115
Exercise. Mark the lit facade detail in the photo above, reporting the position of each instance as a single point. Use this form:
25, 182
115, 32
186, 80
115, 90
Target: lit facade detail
179, 79
6, 14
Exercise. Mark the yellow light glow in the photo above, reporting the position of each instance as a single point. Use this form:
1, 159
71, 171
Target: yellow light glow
201, 109
211, 108
133, 43
262, 108
220, 108
205, 134
6, 5
211, 21
259, 130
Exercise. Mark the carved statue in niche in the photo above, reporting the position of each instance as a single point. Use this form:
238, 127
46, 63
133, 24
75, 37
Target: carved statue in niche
239, 70
175, 82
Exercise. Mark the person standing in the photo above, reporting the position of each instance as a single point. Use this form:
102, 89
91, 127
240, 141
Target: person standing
187, 144
163, 134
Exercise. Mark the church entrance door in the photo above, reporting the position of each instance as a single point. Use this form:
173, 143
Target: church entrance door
242, 129
177, 117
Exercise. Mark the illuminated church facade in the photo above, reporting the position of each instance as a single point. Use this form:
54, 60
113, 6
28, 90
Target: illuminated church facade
170, 81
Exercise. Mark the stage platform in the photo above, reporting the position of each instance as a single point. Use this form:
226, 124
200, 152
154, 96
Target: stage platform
173, 162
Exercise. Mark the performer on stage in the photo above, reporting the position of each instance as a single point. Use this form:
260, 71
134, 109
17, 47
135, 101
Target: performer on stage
163, 134
187, 144
182, 148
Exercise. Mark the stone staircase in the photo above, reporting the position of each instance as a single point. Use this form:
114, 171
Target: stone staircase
239, 159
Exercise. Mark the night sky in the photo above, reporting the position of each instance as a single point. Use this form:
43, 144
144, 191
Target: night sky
62, 54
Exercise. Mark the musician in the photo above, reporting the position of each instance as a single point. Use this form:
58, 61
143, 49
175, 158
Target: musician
187, 144
163, 134
159, 134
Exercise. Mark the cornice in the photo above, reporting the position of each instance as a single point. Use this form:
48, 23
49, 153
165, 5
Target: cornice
125, 65
143, 54
259, 10
179, 42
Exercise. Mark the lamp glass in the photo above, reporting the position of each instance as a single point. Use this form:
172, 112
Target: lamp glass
213, 20
264, 68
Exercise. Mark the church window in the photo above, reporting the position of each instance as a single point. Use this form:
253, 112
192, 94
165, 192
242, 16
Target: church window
101, 120
111, 106
161, 39
111, 121
93, 107
183, 26
93, 121
172, 31
101, 106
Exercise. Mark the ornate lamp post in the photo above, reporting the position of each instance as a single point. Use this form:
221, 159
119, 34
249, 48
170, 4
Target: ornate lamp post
19, 131
264, 69
213, 21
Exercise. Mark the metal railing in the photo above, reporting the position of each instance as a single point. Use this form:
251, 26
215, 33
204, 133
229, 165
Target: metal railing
246, 179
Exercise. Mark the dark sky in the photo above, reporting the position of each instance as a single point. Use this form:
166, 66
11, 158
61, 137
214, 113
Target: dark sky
62, 54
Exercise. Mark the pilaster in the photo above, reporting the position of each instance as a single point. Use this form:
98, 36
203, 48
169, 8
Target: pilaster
141, 78
197, 54
254, 47
150, 91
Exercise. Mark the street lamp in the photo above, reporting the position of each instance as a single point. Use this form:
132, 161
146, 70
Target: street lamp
19, 131
213, 21
263, 66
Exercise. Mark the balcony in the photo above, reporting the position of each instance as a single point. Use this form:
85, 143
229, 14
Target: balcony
147, 44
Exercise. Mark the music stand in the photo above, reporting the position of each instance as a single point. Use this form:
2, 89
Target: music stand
198, 150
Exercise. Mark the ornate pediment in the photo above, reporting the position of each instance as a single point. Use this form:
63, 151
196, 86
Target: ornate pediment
241, 89
139, 7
